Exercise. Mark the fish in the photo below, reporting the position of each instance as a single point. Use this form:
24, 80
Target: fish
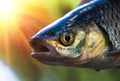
86, 37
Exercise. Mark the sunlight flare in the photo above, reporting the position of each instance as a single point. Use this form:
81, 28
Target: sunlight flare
19, 20
8, 9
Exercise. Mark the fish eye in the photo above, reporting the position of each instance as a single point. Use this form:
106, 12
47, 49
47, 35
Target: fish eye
67, 38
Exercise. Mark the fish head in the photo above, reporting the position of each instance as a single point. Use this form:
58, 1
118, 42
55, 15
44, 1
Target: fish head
68, 45
69, 41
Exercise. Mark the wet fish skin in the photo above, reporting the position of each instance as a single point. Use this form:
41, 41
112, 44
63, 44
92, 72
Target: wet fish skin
86, 37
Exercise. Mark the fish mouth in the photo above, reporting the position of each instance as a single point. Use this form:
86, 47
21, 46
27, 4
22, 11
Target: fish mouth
43, 52
46, 54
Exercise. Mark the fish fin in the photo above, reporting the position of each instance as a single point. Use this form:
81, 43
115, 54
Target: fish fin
113, 53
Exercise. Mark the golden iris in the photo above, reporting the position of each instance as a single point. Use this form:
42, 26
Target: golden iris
67, 38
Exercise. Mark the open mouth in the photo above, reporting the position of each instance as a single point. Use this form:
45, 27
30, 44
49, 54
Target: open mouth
39, 49
38, 46
42, 51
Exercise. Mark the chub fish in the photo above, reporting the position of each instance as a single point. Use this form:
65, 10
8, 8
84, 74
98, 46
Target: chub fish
86, 37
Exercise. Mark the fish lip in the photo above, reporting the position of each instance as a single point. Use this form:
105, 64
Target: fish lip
33, 53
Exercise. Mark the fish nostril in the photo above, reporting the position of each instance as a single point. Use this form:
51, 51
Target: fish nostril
37, 45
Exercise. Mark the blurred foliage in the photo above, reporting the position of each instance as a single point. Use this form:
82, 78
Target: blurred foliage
40, 13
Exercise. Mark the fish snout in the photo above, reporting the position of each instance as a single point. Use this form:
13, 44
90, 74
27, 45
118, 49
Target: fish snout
42, 51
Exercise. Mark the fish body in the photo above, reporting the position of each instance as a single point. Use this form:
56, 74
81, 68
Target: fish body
86, 37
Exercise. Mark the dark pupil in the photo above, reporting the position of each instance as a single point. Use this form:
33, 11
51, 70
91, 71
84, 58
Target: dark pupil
67, 38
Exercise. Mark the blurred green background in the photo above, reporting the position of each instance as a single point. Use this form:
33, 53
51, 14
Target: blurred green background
34, 15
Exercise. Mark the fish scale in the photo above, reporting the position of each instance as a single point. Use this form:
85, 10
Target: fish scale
112, 14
